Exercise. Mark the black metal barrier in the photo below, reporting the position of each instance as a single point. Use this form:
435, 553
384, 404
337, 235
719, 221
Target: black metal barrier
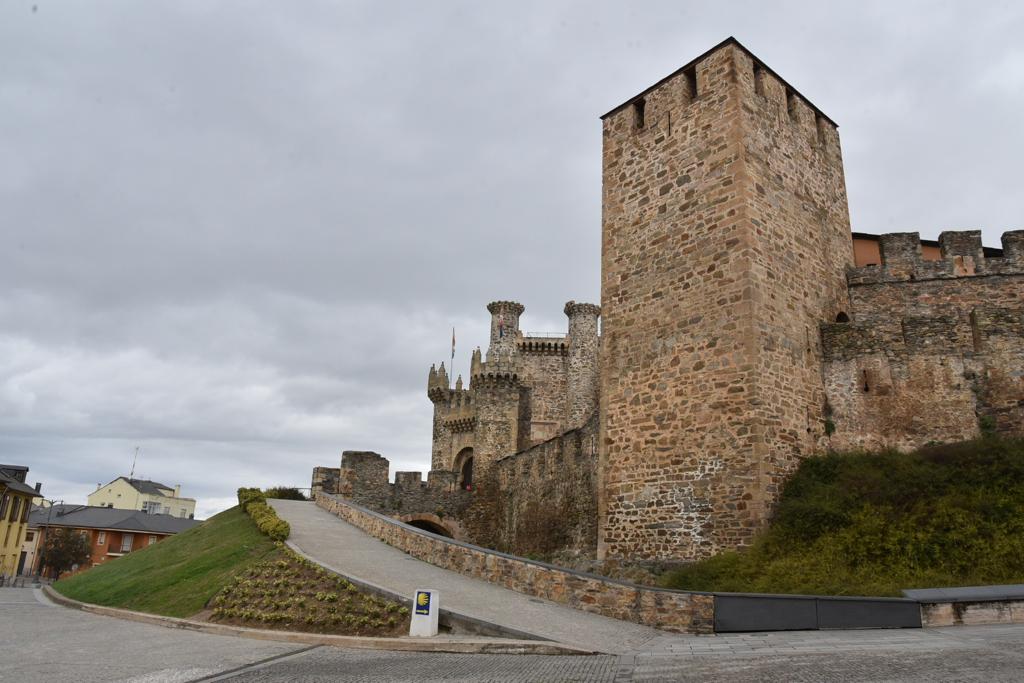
737, 612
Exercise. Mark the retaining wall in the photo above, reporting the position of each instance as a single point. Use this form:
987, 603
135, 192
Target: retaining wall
665, 609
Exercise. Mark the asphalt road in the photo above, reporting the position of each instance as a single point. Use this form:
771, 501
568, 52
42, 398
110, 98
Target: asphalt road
44, 642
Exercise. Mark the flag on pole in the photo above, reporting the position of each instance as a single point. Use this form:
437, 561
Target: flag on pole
453, 344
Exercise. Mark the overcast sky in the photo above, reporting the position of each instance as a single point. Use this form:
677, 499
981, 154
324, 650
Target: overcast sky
237, 234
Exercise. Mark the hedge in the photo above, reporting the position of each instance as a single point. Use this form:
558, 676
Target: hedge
254, 503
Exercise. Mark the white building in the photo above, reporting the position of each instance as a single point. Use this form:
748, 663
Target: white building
141, 494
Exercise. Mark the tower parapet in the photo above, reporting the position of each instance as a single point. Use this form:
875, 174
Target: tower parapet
438, 388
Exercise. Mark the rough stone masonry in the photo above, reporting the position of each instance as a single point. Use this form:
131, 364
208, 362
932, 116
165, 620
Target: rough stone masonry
743, 327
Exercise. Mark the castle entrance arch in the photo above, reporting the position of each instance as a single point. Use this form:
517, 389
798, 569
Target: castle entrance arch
464, 466
431, 523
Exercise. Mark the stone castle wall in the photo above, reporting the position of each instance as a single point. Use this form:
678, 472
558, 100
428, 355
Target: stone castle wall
934, 350
546, 496
527, 390
543, 369
725, 238
363, 478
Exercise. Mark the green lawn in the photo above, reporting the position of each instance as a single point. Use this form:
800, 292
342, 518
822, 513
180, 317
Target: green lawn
875, 523
177, 576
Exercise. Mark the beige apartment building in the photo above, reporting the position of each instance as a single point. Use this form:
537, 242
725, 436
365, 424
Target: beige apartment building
142, 494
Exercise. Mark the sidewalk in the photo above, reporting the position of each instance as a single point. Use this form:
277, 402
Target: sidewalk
342, 547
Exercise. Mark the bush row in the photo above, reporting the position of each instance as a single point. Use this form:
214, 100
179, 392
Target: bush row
254, 503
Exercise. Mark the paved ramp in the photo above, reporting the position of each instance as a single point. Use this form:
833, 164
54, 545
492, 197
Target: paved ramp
339, 546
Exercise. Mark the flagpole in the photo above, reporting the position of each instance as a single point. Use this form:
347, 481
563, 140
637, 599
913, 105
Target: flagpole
451, 375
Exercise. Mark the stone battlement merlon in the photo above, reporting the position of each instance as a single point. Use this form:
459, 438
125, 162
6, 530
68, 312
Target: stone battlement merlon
962, 255
689, 66
657, 109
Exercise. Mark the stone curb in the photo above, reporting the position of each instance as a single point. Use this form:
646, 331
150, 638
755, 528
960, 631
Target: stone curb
503, 646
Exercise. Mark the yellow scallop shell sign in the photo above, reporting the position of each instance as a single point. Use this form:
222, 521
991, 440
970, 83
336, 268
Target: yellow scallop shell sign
422, 602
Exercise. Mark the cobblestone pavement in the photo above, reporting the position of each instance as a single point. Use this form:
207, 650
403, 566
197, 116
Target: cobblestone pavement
51, 643
982, 653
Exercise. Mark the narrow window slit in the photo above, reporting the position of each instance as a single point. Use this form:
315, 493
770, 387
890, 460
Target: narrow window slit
691, 81
638, 112
758, 80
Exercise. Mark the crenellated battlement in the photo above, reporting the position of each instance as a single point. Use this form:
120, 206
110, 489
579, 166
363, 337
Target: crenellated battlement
961, 255
557, 346
502, 365
461, 414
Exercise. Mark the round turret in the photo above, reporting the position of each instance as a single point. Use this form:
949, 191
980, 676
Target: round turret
504, 325
582, 380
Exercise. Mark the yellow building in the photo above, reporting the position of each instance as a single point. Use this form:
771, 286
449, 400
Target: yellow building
141, 494
15, 502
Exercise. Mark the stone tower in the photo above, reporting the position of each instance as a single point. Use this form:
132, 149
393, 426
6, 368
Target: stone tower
725, 239
504, 326
582, 380
499, 394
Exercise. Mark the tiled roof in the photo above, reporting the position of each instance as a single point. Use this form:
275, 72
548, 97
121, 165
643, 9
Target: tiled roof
90, 517
12, 484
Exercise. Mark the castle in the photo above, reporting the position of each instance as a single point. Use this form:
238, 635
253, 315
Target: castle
743, 327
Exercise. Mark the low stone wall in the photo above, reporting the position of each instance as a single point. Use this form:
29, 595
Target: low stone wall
665, 609
972, 613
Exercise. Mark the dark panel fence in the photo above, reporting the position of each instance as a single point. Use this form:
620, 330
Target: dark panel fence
737, 612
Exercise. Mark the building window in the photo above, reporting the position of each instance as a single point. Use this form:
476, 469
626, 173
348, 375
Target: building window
182, 512
30, 536
15, 509
101, 538
4, 502
126, 542
152, 540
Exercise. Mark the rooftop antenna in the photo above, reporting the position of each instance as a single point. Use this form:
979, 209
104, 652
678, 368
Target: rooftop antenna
134, 459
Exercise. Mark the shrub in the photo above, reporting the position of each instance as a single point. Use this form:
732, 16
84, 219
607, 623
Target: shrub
285, 493
254, 503
875, 523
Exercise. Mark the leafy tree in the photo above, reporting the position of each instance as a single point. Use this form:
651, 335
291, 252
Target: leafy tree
64, 548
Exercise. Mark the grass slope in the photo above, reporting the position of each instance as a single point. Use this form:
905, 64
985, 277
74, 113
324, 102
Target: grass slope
177, 576
874, 523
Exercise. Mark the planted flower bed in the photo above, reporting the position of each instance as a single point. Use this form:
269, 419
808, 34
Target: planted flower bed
290, 593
